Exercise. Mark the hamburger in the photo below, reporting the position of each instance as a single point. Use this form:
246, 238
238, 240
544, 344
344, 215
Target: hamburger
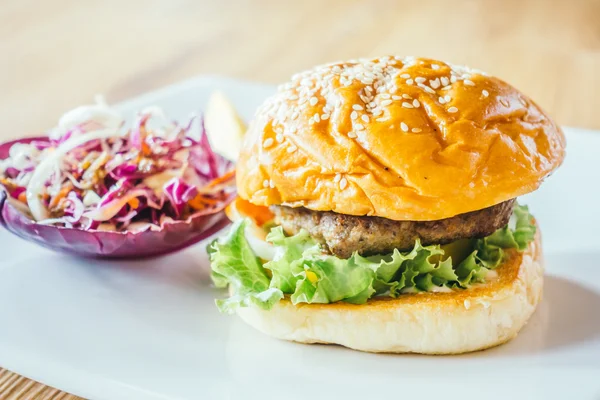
377, 209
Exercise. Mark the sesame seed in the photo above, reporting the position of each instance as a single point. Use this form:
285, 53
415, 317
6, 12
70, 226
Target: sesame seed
337, 178
452, 109
420, 79
386, 102
416, 103
405, 76
377, 111
343, 183
268, 143
409, 82
435, 83
292, 148
435, 66
445, 81
382, 119
453, 78
504, 102
325, 116
357, 107
404, 127
447, 98
266, 183
313, 101
394, 97
485, 93
469, 82
416, 130
365, 118
360, 127
385, 96
426, 88
271, 184
406, 96
354, 115
441, 100
279, 137
406, 104
352, 135
295, 115
446, 87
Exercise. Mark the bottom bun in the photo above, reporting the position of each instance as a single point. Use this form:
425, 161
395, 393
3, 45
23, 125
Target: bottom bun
461, 321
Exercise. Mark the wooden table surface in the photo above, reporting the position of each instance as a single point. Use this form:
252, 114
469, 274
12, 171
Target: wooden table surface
58, 54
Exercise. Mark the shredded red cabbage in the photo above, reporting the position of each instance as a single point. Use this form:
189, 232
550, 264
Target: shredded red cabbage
156, 171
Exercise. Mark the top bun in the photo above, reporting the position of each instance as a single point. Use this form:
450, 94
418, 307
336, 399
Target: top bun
400, 138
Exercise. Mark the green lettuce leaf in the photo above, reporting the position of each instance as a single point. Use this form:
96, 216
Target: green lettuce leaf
517, 234
288, 265
300, 270
233, 263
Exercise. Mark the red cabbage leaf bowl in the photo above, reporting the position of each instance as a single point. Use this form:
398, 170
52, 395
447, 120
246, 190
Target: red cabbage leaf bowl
171, 237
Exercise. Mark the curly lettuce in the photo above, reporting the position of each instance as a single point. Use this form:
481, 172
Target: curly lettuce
303, 272
234, 264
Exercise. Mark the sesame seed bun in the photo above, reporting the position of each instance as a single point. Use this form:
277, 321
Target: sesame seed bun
400, 138
429, 323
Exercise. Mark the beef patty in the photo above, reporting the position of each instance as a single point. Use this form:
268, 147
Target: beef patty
343, 234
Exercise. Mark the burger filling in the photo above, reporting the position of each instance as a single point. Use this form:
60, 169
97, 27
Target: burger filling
325, 257
342, 235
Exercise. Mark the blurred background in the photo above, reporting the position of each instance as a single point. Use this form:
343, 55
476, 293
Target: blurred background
57, 54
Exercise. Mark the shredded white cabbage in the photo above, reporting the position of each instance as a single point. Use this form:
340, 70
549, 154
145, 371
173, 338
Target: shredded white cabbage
159, 123
99, 113
91, 198
45, 168
95, 166
157, 182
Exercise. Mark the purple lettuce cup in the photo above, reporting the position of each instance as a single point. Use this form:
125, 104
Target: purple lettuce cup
173, 236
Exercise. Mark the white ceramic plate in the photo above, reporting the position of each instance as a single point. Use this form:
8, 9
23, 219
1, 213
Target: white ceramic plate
150, 330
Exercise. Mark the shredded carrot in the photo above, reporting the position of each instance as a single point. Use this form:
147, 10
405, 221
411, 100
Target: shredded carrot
61, 195
200, 202
146, 150
229, 175
134, 203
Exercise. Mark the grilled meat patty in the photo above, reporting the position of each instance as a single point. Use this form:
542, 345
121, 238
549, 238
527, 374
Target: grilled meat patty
343, 234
